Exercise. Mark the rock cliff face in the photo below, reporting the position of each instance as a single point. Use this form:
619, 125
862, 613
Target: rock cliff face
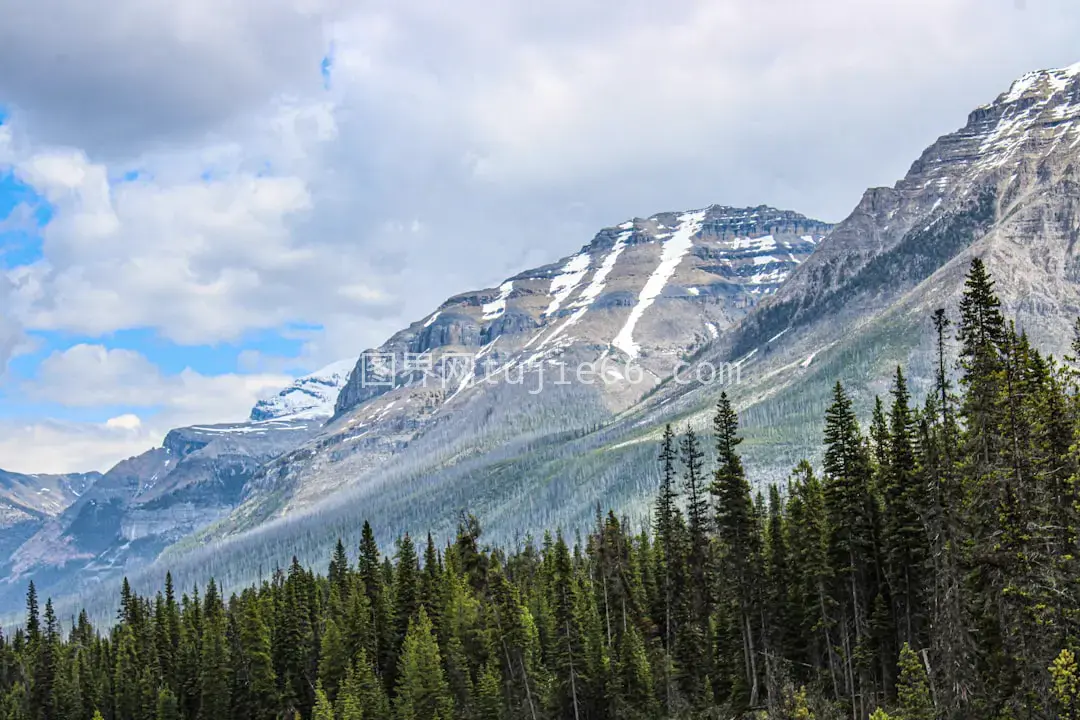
1006, 181
647, 289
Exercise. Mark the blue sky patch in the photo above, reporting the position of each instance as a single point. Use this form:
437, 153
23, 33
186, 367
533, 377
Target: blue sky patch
20, 244
326, 67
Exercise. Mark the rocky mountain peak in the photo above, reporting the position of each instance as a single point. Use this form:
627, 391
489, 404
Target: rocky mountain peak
307, 398
648, 288
1018, 145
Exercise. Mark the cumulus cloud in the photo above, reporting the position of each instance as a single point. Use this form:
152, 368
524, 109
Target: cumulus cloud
50, 446
92, 376
127, 421
205, 183
134, 74
512, 131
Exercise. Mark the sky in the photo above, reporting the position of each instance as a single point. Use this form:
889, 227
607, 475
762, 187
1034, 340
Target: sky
202, 200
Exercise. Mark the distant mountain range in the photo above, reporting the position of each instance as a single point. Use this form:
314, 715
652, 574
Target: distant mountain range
435, 421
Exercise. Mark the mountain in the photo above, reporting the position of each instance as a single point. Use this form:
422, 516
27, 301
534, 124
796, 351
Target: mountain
681, 287
648, 292
114, 523
308, 398
531, 402
1004, 188
26, 501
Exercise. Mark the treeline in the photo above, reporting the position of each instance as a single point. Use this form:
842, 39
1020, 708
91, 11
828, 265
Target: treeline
927, 571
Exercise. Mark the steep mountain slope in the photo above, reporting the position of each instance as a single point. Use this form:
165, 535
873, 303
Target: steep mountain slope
26, 501
495, 367
1002, 187
146, 503
1013, 155
420, 433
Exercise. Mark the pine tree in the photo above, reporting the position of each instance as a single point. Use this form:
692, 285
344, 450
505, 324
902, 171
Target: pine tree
215, 665
33, 619
697, 508
369, 567
338, 572
913, 688
256, 693
167, 706
422, 691
738, 532
333, 659
369, 690
668, 526
489, 700
42, 699
1066, 685
852, 547
695, 638
780, 612
349, 705
906, 548
633, 685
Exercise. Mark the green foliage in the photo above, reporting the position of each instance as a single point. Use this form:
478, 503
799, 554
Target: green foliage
913, 689
1066, 685
928, 568
422, 690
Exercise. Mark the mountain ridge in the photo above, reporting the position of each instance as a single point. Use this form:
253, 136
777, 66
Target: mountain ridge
725, 287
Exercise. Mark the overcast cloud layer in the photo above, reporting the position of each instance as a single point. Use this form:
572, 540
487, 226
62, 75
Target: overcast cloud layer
207, 181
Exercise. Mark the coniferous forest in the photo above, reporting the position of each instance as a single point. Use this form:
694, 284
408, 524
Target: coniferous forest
928, 569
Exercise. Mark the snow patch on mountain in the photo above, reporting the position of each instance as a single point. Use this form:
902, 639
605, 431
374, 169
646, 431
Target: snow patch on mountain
497, 307
591, 291
675, 248
308, 398
567, 281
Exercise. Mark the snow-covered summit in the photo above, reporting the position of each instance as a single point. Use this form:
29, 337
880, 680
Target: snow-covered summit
307, 398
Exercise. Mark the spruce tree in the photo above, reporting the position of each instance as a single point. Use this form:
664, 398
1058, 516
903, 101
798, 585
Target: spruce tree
849, 506
168, 708
257, 693
739, 536
906, 550
422, 691
324, 709
913, 688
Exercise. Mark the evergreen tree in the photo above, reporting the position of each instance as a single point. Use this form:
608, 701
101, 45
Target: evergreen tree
324, 709
852, 546
422, 691
256, 693
906, 548
333, 659
167, 706
738, 532
913, 689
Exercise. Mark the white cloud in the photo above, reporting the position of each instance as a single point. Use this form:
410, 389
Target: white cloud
91, 376
135, 74
10, 330
458, 144
127, 421
61, 447
94, 376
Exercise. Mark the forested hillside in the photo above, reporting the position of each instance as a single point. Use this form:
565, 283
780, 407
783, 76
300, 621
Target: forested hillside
927, 570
